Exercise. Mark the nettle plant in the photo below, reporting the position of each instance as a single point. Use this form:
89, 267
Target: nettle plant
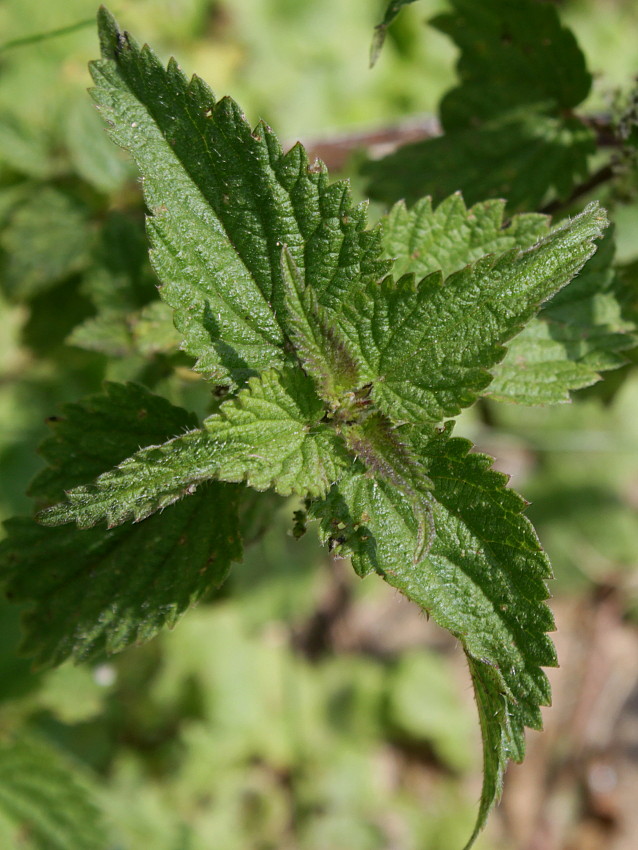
338, 356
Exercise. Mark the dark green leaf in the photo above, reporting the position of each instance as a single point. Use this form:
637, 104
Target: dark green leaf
508, 126
512, 55
103, 589
518, 156
482, 578
223, 200
100, 590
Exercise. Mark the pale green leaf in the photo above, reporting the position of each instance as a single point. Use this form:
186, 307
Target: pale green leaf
427, 347
153, 329
445, 238
272, 435
47, 239
580, 331
91, 153
25, 149
108, 333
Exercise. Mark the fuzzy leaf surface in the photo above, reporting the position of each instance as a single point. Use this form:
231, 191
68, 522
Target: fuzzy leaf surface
580, 331
42, 799
99, 590
483, 578
91, 436
223, 199
427, 347
445, 238
270, 435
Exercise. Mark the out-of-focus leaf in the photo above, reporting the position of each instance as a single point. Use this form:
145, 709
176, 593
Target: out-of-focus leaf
516, 156
423, 706
92, 155
100, 590
24, 150
40, 795
508, 126
392, 10
48, 239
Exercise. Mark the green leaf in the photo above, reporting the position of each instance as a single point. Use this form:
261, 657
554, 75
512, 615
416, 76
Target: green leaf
96, 434
108, 333
519, 156
46, 241
99, 590
223, 200
270, 435
579, 332
24, 149
93, 157
381, 29
153, 329
320, 348
424, 239
509, 128
512, 54
426, 347
44, 799
120, 279
482, 578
